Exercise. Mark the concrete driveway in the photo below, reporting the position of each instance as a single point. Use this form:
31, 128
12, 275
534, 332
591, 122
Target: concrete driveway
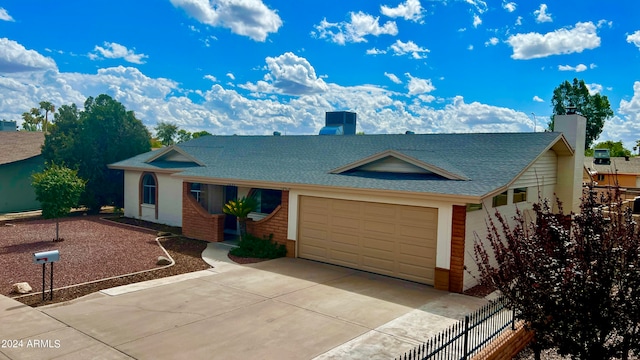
278, 309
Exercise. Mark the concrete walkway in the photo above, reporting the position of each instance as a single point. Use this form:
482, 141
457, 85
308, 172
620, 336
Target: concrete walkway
279, 309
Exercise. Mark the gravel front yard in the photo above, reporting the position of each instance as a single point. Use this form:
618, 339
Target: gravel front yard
92, 249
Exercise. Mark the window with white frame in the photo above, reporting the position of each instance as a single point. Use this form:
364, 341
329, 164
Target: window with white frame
149, 189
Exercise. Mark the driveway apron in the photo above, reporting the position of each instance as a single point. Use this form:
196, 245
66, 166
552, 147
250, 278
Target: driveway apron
279, 309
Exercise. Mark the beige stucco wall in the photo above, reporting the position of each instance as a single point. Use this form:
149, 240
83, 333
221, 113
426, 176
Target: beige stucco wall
476, 223
445, 210
169, 199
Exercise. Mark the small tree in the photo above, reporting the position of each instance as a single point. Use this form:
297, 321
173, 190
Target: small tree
574, 279
241, 208
58, 189
166, 132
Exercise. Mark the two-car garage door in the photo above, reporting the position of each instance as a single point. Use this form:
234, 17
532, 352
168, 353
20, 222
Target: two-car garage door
394, 240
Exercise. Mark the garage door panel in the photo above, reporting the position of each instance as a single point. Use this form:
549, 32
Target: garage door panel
419, 251
378, 244
315, 234
346, 258
393, 240
314, 252
346, 222
378, 226
338, 238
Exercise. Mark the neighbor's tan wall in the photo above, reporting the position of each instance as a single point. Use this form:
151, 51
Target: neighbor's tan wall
623, 180
275, 223
197, 223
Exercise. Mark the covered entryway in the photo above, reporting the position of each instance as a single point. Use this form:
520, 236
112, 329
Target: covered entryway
394, 240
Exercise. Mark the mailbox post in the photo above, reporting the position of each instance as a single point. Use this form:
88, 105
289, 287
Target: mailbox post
43, 258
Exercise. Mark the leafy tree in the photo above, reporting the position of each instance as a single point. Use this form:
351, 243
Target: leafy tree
58, 189
637, 147
166, 132
184, 135
573, 279
241, 208
46, 106
32, 119
595, 108
616, 149
103, 133
198, 134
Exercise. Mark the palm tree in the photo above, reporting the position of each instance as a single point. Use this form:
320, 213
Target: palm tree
46, 106
241, 208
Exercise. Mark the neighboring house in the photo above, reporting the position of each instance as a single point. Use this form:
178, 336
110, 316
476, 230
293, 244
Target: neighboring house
8, 125
20, 157
407, 206
623, 171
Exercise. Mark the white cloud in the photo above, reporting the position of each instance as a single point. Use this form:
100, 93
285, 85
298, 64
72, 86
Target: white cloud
250, 18
541, 14
355, 31
419, 86
594, 88
117, 51
231, 76
537, 99
224, 110
626, 126
288, 74
476, 20
4, 15
393, 78
577, 68
400, 48
492, 42
210, 77
562, 41
634, 39
470, 47
409, 10
509, 6
519, 21
376, 51
15, 58
479, 5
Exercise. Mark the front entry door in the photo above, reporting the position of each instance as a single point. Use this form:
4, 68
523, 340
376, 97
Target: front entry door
230, 221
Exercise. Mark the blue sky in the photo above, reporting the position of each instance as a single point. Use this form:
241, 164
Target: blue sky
258, 66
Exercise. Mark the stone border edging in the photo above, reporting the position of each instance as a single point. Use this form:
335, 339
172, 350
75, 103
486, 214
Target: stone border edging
157, 239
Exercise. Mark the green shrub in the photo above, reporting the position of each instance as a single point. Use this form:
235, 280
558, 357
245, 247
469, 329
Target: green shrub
254, 247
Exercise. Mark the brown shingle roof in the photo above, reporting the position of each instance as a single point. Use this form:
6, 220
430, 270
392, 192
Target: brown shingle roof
618, 164
19, 145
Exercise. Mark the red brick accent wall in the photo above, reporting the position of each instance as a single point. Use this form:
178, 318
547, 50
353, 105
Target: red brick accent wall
276, 223
441, 279
507, 345
197, 223
456, 267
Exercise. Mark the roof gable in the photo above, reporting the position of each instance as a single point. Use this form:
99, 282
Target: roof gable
391, 161
173, 154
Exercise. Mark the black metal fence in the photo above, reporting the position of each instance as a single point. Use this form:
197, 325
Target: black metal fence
467, 337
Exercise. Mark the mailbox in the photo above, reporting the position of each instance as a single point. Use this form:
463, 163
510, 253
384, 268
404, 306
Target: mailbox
46, 257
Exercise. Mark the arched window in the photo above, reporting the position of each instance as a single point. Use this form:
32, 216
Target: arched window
149, 189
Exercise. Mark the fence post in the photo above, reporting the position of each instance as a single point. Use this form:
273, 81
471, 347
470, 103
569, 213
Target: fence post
513, 319
466, 337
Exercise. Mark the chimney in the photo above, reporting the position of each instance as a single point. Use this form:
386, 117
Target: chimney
570, 168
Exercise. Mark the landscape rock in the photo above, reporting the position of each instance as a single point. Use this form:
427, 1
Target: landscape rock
22, 288
163, 261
